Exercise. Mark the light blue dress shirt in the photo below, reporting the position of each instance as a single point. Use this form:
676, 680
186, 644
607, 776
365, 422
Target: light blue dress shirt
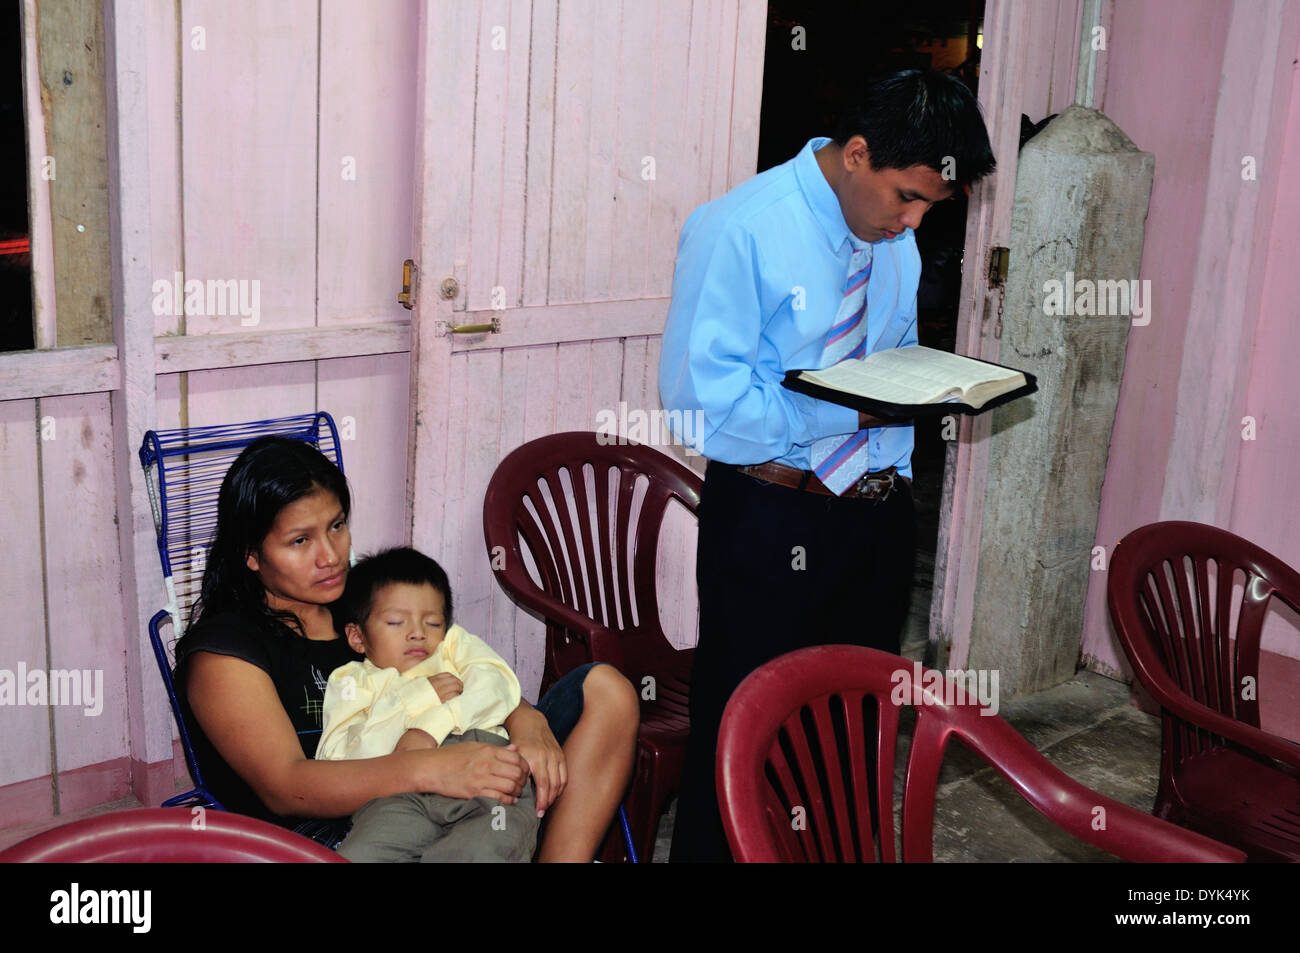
759, 278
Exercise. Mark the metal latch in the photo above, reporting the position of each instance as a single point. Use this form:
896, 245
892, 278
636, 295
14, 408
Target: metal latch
493, 328
410, 281
999, 258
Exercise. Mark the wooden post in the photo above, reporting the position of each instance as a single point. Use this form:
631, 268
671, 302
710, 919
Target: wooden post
134, 402
70, 40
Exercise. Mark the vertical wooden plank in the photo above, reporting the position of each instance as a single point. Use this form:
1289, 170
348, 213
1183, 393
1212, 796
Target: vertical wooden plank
671, 196
539, 409
573, 386
249, 127
1065, 56
40, 213
84, 595
483, 270
168, 404
608, 86
538, 419
482, 382
569, 193
702, 100
637, 377
606, 378
501, 134
514, 397
366, 159
70, 38
131, 141
722, 81
164, 44
460, 403
502, 612
25, 728
514, 168
747, 91
448, 56
442, 541
541, 137
367, 397
635, 129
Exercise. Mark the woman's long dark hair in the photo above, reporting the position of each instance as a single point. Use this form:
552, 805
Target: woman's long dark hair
270, 474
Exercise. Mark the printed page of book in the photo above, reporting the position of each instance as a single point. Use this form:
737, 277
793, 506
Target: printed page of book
909, 375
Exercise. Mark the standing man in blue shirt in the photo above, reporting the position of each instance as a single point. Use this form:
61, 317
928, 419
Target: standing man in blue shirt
805, 522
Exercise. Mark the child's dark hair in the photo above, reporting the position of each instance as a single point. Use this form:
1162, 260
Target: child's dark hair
921, 117
367, 577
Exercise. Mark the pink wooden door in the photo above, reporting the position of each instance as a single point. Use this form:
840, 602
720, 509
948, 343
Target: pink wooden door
563, 146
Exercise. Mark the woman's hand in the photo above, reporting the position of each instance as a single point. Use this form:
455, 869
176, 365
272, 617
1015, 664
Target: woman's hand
542, 753
473, 769
447, 685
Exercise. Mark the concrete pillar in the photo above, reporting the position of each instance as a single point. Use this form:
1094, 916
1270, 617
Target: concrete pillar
1082, 190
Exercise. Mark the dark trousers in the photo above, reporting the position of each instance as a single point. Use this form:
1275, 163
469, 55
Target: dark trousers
780, 569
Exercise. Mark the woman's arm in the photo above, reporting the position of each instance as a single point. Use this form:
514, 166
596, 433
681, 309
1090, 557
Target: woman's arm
236, 704
532, 735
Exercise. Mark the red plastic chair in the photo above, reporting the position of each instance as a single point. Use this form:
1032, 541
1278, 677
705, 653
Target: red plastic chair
159, 835
1219, 773
593, 583
798, 733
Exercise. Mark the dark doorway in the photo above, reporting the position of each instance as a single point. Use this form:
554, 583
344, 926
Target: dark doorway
819, 56
16, 326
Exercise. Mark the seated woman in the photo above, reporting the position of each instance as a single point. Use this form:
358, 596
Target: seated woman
252, 668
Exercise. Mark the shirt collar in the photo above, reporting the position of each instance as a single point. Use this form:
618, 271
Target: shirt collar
817, 191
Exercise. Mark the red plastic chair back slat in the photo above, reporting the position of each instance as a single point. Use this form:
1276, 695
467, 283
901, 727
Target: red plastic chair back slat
596, 553
789, 725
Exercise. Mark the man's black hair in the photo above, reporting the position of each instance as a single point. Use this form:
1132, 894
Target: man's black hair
367, 577
921, 117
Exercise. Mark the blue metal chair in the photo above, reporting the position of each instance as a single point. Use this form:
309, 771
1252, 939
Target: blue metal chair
183, 471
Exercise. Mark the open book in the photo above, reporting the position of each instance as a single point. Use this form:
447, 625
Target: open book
914, 381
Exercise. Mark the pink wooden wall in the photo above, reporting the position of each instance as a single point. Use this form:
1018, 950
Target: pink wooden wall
236, 129
269, 115
1203, 85
555, 210
246, 142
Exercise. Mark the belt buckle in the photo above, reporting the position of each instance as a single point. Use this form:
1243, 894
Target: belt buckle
876, 487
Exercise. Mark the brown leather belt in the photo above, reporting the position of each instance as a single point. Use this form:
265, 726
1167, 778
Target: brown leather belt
871, 486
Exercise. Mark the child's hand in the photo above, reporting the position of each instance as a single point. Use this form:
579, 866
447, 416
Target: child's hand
413, 739
447, 686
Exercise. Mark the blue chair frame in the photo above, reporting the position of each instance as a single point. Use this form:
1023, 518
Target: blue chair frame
183, 469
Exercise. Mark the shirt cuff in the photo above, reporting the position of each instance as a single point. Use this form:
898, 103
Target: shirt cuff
825, 419
438, 722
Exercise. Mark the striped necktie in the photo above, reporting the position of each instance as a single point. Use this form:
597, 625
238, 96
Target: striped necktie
840, 460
